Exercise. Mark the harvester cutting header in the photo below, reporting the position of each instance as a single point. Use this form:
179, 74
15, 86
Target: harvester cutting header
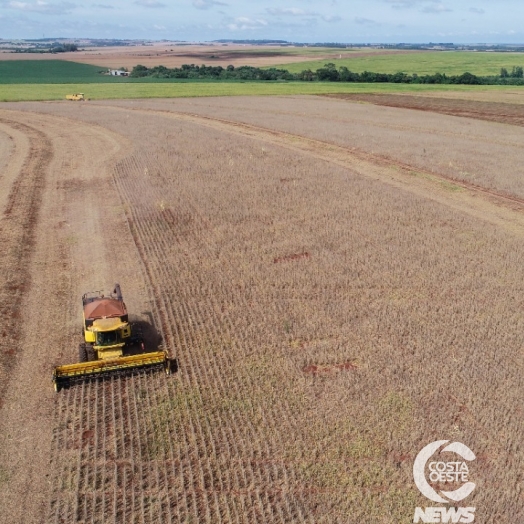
108, 341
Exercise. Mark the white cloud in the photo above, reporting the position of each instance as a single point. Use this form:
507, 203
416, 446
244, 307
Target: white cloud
331, 18
408, 4
303, 13
364, 21
477, 10
401, 4
243, 23
291, 11
438, 8
150, 3
103, 6
206, 4
40, 6
424, 6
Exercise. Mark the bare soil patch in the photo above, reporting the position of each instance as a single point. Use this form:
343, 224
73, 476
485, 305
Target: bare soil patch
502, 112
497, 95
6, 149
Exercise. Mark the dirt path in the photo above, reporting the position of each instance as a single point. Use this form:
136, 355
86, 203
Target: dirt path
52, 248
7, 148
21, 212
18, 153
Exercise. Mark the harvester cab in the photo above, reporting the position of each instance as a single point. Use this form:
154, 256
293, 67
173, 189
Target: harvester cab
108, 337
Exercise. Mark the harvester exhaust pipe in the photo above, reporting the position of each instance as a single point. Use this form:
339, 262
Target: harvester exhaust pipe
118, 292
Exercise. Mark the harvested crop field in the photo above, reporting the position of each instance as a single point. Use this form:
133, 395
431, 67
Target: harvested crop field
175, 55
340, 283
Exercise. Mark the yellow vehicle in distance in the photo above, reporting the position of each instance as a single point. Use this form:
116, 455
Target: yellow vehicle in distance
76, 97
109, 343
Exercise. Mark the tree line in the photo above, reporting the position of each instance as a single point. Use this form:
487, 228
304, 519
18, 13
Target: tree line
328, 73
212, 72
59, 48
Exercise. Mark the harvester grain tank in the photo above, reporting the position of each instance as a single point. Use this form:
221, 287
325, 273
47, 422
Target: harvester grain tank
108, 337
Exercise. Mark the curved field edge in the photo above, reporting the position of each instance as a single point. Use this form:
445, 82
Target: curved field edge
43, 92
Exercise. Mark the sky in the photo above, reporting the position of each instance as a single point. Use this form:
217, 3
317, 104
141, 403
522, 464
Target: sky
345, 21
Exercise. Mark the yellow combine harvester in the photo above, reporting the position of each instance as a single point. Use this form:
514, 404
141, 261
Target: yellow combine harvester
76, 97
108, 342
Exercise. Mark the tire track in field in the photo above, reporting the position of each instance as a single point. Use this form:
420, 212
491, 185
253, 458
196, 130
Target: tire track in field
32, 466
95, 456
17, 238
501, 209
14, 162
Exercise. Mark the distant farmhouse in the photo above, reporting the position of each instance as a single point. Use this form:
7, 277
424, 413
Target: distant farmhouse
117, 72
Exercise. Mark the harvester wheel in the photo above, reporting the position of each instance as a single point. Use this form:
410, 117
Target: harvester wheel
82, 353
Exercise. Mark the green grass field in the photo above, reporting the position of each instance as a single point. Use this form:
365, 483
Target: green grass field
427, 62
50, 72
311, 51
53, 79
27, 92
